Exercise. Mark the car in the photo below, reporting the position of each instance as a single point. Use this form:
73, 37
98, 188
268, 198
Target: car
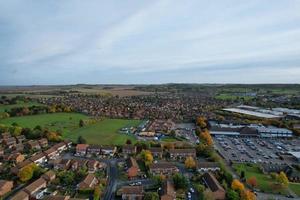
189, 195
192, 190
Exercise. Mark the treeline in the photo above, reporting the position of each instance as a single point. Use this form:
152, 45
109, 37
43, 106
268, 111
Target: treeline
4, 100
35, 133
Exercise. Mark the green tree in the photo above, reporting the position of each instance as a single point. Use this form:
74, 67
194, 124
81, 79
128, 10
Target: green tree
151, 196
81, 123
180, 181
232, 195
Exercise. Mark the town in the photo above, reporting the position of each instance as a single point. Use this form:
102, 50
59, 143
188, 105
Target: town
150, 146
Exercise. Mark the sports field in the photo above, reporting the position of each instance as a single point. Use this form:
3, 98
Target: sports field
104, 132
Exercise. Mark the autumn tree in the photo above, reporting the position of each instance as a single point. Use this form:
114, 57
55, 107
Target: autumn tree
190, 163
237, 185
252, 181
206, 138
201, 121
247, 195
26, 173
147, 157
282, 179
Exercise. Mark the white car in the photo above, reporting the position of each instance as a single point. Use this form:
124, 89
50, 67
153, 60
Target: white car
192, 190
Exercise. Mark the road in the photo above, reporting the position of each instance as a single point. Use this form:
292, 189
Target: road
112, 173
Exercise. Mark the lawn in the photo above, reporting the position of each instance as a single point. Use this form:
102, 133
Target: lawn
295, 187
65, 122
4, 108
264, 181
104, 132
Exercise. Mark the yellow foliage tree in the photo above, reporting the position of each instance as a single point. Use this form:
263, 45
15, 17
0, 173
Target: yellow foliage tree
147, 157
247, 195
201, 121
237, 185
282, 179
26, 173
206, 138
190, 163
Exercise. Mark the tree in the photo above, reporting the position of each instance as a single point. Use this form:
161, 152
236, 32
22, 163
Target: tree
180, 181
206, 138
204, 150
247, 195
128, 141
199, 188
147, 157
252, 181
81, 123
237, 185
97, 192
151, 196
190, 163
26, 173
282, 179
81, 140
201, 121
232, 195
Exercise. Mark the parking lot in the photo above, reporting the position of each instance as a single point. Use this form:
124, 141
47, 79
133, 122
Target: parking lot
256, 150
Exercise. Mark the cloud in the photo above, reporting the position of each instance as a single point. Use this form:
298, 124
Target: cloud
120, 42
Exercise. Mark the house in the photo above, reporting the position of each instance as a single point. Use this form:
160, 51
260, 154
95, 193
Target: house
207, 166
5, 187
43, 142
81, 149
19, 147
92, 166
9, 142
132, 192
15, 170
39, 158
133, 168
68, 143
60, 147
182, 153
109, 150
20, 138
51, 153
214, 186
33, 144
35, 186
157, 152
292, 173
49, 176
62, 164
168, 191
89, 182
165, 168
5, 135
57, 197
129, 150
93, 149
21, 195
16, 157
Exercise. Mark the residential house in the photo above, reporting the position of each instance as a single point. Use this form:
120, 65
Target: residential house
60, 147
93, 149
214, 186
157, 152
182, 153
15, 170
33, 144
57, 197
5, 187
132, 192
129, 150
133, 168
43, 142
165, 168
208, 166
68, 143
62, 164
5, 135
81, 149
15, 158
109, 150
49, 176
19, 147
39, 158
51, 153
21, 195
35, 186
168, 191
89, 182
92, 166
9, 142
20, 138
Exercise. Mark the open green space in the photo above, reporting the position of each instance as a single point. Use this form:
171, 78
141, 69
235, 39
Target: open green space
264, 181
4, 108
65, 122
104, 132
295, 187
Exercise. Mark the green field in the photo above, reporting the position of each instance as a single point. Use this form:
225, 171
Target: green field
295, 187
3, 108
264, 181
65, 122
104, 132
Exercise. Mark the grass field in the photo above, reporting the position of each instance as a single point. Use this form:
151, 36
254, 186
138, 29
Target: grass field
295, 187
104, 132
66, 122
264, 181
3, 108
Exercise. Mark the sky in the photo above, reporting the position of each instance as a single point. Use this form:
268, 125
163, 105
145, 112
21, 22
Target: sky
149, 42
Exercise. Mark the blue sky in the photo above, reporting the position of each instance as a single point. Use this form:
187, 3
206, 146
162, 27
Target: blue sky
195, 41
